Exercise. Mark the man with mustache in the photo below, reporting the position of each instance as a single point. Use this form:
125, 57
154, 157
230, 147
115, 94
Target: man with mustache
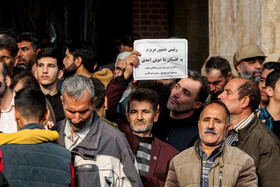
177, 123
29, 45
248, 133
211, 162
153, 155
101, 153
248, 61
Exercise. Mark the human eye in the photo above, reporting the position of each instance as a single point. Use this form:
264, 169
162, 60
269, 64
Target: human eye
132, 111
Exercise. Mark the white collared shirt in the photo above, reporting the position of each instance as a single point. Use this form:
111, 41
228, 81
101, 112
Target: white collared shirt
8, 122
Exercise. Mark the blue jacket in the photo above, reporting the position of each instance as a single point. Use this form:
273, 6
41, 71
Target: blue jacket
44, 164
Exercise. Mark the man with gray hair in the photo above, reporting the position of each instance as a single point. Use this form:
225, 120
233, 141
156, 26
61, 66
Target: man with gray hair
101, 153
120, 63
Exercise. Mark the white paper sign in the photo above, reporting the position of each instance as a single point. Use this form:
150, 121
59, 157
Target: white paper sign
161, 59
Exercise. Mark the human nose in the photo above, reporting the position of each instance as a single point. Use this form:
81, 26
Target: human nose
220, 97
212, 87
45, 69
259, 65
76, 118
19, 53
139, 116
211, 124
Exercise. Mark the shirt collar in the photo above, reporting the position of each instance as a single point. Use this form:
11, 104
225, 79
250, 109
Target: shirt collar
244, 122
81, 133
12, 103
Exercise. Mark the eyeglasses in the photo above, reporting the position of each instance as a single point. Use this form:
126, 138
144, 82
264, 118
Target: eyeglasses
118, 69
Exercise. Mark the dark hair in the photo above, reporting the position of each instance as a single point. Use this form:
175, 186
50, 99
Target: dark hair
99, 92
27, 79
218, 63
8, 32
250, 89
271, 65
204, 89
272, 78
85, 50
219, 103
143, 94
31, 103
10, 44
53, 53
162, 90
32, 38
128, 39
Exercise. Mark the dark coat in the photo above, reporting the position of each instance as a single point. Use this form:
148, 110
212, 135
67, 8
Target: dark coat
161, 152
263, 146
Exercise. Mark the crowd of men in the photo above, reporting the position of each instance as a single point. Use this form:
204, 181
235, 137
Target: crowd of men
64, 122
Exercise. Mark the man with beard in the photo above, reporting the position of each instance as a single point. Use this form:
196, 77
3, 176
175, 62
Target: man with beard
7, 119
80, 59
101, 153
153, 155
8, 51
48, 71
248, 61
177, 123
29, 45
218, 73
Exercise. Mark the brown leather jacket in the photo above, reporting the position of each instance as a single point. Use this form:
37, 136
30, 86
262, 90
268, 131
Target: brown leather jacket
263, 146
232, 167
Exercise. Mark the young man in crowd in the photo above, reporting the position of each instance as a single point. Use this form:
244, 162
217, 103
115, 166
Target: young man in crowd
44, 164
48, 72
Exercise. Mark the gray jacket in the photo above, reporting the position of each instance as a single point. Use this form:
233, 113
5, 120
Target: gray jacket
107, 147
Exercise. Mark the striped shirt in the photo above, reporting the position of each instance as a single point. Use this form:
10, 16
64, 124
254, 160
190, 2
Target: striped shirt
206, 163
143, 154
233, 133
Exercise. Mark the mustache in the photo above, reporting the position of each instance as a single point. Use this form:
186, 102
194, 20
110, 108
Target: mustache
210, 131
174, 98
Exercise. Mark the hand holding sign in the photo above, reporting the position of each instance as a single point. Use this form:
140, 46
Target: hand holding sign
131, 61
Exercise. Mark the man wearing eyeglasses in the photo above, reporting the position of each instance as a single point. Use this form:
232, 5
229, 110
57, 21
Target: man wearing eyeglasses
248, 61
120, 63
8, 51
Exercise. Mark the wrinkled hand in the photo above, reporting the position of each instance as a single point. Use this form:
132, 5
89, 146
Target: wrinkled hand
131, 61
49, 125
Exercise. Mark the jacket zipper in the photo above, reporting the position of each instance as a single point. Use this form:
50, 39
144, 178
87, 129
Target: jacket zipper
220, 178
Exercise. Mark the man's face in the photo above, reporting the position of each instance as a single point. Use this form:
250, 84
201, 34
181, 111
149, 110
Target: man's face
26, 55
216, 80
251, 68
3, 84
6, 57
276, 92
47, 71
141, 117
120, 68
212, 125
230, 96
183, 96
78, 112
264, 97
70, 67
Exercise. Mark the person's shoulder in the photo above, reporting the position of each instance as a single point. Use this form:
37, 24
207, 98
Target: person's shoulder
185, 155
236, 154
165, 146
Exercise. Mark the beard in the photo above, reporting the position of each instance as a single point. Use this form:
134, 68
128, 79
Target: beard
71, 70
247, 75
141, 126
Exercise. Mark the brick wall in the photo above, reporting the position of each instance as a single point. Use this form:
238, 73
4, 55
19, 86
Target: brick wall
150, 18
